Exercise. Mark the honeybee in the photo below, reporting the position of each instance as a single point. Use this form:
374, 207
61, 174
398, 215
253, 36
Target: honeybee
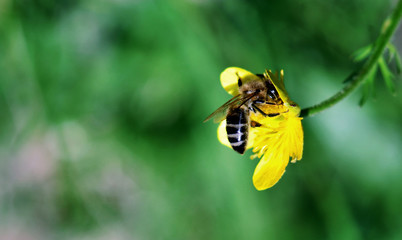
252, 95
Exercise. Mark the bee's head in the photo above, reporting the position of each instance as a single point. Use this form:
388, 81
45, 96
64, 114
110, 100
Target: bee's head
272, 94
252, 87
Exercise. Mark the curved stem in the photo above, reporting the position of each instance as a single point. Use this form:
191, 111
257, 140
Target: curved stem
387, 31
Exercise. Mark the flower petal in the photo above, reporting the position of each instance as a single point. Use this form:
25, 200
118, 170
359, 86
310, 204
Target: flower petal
222, 135
279, 85
295, 135
271, 166
230, 77
251, 138
286, 142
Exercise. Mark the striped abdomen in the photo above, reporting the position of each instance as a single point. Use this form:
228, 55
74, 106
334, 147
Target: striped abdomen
237, 122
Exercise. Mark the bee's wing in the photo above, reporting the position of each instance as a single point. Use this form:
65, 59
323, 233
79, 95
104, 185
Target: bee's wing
235, 102
220, 113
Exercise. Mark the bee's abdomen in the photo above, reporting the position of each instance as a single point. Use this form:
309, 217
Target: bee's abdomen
237, 129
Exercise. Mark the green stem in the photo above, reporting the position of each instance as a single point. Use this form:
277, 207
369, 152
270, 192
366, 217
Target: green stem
387, 31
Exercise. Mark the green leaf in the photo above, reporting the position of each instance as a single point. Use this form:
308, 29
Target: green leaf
393, 53
398, 62
387, 75
362, 53
365, 95
368, 86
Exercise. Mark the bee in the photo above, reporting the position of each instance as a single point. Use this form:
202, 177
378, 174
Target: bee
251, 96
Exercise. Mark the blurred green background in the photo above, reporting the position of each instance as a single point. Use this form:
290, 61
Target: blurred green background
101, 133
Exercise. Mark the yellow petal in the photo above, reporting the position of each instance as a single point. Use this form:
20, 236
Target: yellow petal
251, 138
279, 85
295, 135
223, 137
286, 142
230, 77
271, 166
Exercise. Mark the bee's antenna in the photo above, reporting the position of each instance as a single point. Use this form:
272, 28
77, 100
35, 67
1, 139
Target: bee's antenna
239, 81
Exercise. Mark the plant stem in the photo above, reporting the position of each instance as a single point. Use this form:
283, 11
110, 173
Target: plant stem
388, 29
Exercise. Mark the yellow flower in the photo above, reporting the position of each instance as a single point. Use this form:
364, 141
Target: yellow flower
277, 139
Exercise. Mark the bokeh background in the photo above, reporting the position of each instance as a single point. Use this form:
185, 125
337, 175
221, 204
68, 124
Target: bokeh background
101, 133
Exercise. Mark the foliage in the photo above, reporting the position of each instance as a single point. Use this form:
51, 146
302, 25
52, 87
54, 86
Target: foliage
101, 133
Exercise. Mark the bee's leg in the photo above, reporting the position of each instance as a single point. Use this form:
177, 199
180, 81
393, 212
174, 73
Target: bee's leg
273, 114
264, 102
254, 124
263, 113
